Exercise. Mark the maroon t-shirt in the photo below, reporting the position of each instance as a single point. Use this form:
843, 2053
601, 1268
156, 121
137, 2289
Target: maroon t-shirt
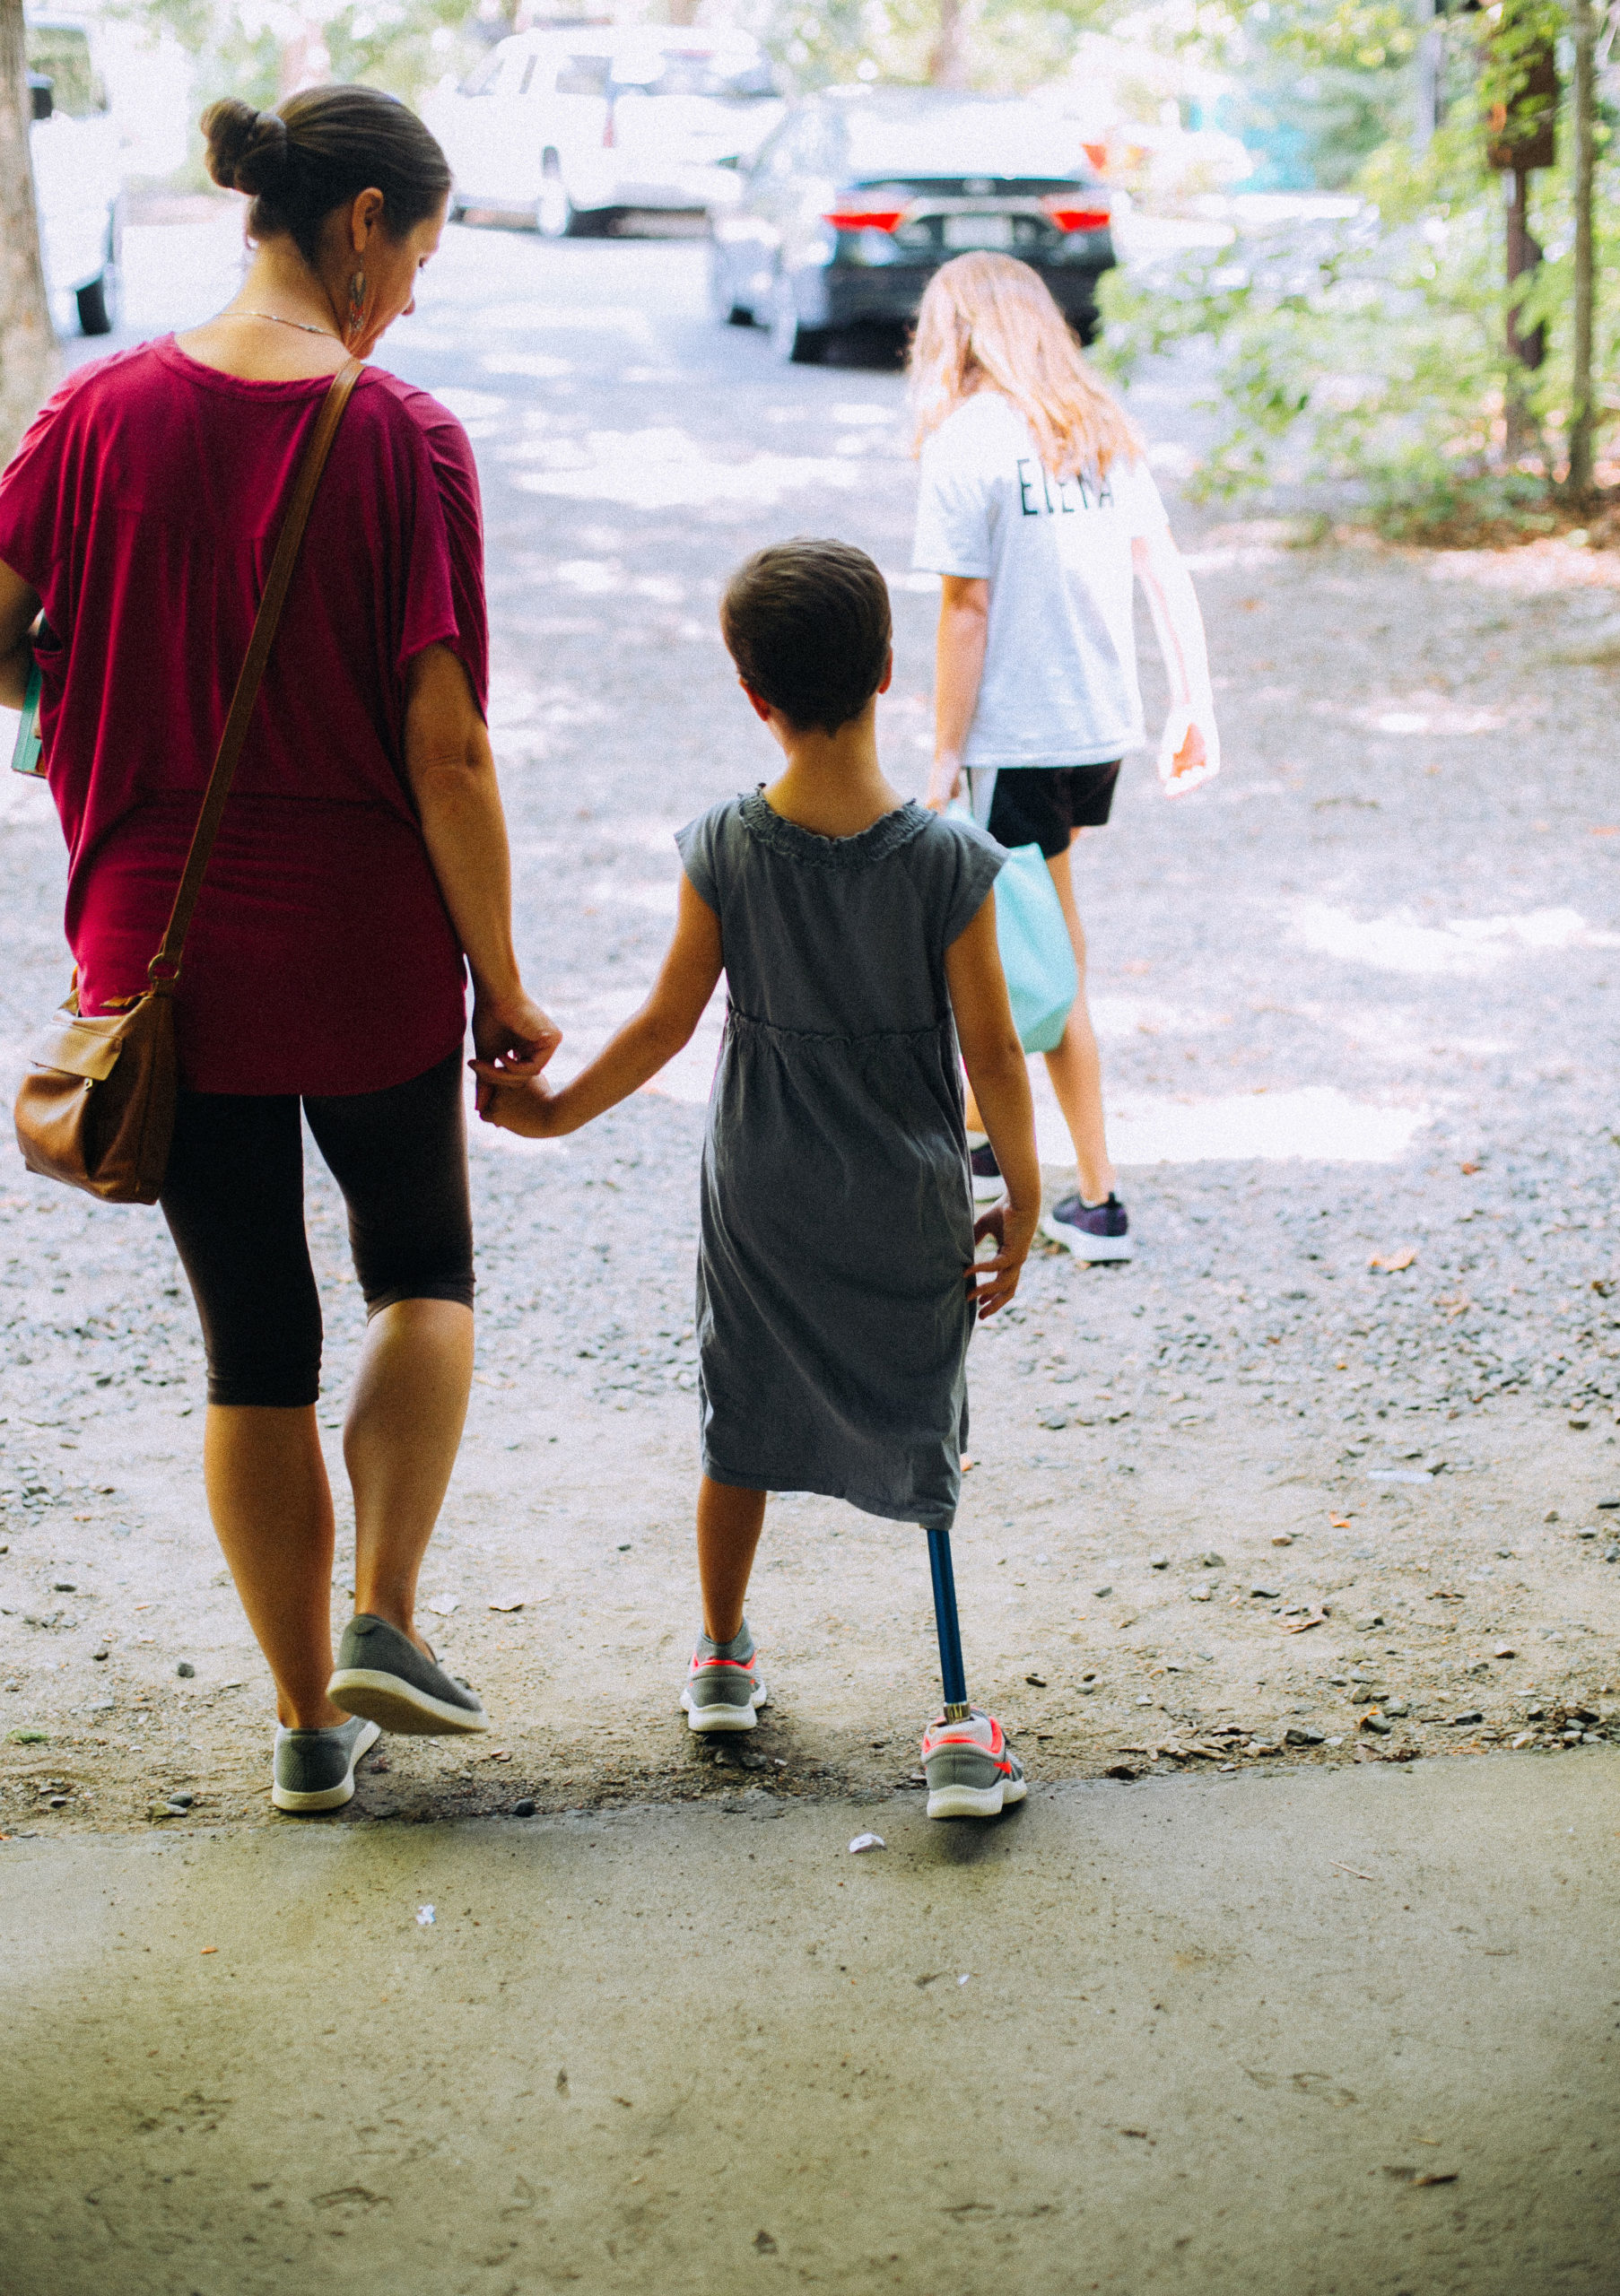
143, 506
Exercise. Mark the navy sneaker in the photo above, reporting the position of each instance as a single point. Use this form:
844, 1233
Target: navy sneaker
986, 1174
1092, 1231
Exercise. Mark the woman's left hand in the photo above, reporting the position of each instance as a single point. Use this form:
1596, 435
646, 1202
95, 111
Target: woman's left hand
512, 1037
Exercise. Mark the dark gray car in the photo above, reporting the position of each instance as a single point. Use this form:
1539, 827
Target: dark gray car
861, 194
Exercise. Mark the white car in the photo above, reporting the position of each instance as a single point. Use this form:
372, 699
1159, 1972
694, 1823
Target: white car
76, 148
574, 127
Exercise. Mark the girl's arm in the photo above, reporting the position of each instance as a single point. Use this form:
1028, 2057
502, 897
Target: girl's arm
452, 772
1190, 750
1000, 1077
648, 1040
19, 606
964, 622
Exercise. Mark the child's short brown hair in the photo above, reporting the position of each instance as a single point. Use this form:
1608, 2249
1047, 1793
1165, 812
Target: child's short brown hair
807, 624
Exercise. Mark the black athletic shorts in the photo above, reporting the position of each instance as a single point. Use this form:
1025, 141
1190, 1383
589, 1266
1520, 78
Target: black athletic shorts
234, 1200
1043, 805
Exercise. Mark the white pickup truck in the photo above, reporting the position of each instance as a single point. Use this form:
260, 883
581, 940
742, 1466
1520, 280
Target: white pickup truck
579, 125
77, 152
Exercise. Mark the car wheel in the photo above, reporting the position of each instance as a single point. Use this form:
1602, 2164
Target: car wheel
791, 341
98, 303
722, 308
554, 216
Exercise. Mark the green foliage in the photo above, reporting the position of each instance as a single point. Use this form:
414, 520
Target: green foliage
1370, 350
1011, 45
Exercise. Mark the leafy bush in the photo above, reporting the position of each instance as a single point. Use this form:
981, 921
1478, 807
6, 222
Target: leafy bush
1369, 349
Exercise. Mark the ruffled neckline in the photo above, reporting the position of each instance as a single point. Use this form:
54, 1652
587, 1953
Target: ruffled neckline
886, 835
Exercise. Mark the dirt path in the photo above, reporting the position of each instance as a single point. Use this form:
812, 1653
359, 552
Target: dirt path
1356, 1006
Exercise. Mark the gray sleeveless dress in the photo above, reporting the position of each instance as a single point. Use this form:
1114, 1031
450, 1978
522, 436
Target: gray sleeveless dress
837, 1219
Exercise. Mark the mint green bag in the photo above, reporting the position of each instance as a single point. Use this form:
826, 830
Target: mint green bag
25, 755
1037, 955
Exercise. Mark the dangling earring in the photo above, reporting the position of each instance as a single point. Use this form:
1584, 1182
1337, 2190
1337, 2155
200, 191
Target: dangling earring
357, 302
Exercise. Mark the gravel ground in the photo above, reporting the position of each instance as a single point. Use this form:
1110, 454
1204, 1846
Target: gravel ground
1254, 1497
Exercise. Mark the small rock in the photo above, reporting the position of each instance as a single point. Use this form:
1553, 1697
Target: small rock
1100, 1592
99, 1655
185, 1670
1581, 1425
1551, 1516
1213, 1561
1370, 1622
63, 1586
1397, 1706
1200, 1594
1158, 1562
58, 1800
1037, 1681
1263, 1594
763, 2242
1282, 1538
1505, 1650
524, 1809
1378, 1726
1460, 1721
1295, 1736
180, 1801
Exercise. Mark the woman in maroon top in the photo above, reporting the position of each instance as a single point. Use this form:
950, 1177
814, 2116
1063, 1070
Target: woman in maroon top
362, 866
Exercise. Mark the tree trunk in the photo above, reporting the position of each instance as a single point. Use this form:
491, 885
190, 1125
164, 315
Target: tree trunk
948, 57
1583, 107
28, 342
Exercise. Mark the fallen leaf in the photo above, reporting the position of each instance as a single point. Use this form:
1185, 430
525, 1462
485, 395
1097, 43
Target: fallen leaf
1391, 1262
211, 1949
1340, 1522
1468, 1170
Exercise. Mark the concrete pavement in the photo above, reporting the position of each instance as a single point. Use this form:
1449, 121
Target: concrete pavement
1328, 2033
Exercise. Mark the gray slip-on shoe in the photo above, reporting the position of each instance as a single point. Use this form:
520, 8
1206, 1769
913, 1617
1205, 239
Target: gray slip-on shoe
315, 1769
383, 1675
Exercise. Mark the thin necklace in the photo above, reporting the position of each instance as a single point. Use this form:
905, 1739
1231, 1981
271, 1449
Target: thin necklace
277, 319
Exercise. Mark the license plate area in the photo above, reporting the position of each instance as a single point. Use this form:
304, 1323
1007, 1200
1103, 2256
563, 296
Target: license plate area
978, 230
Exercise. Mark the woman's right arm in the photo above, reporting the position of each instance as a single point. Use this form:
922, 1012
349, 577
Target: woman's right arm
19, 606
451, 771
964, 622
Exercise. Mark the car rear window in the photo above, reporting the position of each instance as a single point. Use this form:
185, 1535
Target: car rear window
963, 139
694, 75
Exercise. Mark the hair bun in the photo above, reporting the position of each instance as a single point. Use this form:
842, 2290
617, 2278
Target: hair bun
247, 148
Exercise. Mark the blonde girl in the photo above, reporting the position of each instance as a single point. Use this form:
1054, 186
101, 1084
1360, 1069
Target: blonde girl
1038, 511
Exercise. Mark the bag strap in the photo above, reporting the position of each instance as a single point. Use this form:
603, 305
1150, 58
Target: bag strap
164, 971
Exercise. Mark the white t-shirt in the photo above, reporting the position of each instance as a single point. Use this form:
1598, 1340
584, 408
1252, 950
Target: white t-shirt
1059, 685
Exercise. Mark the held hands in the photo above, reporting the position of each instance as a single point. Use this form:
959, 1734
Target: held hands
512, 1039
991, 1282
530, 1109
1189, 750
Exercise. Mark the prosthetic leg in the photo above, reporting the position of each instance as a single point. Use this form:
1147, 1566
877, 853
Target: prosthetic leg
971, 1771
951, 1672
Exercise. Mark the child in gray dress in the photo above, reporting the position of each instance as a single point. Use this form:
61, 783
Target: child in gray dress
837, 1286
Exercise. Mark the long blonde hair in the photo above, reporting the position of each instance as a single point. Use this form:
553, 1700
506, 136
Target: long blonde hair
988, 322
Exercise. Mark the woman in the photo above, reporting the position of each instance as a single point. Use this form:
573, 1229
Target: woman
1038, 511
363, 857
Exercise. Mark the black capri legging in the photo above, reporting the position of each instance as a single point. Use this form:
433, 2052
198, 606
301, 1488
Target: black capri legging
234, 1201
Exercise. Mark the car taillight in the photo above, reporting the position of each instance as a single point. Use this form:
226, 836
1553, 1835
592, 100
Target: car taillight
1077, 219
865, 219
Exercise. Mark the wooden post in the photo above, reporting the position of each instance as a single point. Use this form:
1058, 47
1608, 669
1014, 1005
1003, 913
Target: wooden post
1583, 107
28, 342
948, 58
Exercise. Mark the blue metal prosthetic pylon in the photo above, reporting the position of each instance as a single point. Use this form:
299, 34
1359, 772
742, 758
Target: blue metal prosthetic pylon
952, 1670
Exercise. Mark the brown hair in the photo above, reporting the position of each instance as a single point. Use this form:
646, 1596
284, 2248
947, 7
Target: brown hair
807, 624
319, 150
988, 322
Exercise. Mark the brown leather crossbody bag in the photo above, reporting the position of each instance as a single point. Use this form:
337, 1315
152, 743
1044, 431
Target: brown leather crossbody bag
96, 1109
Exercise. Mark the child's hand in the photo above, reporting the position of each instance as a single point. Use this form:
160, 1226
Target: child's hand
991, 1282
1189, 751
529, 1108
